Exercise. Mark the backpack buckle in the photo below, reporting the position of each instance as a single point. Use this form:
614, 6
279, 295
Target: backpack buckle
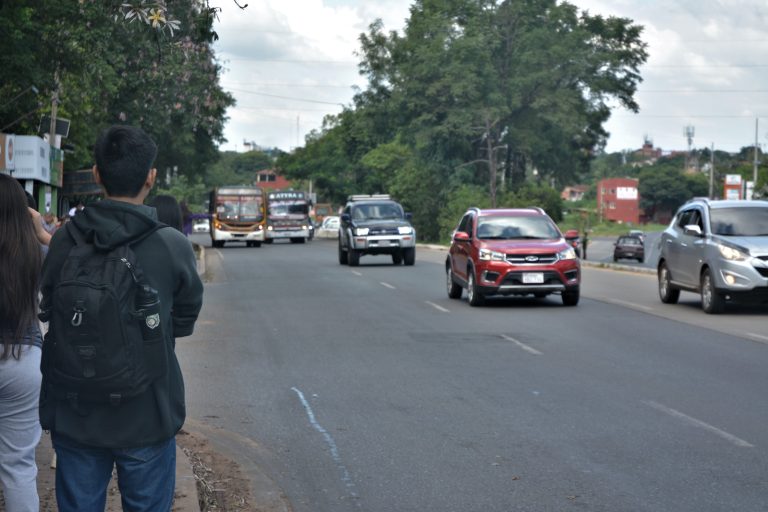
77, 318
114, 399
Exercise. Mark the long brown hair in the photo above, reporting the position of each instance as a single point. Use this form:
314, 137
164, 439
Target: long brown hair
20, 262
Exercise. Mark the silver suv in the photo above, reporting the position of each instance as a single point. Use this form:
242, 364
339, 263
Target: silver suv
718, 249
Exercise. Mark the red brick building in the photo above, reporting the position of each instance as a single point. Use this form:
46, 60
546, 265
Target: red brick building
271, 180
618, 200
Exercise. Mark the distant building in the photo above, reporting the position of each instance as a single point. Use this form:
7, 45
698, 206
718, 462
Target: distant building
618, 200
268, 178
574, 193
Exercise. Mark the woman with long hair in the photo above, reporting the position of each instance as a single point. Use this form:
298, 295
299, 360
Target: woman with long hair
168, 210
21, 236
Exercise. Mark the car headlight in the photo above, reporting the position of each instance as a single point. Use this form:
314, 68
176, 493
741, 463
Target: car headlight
487, 255
731, 253
568, 254
405, 230
361, 231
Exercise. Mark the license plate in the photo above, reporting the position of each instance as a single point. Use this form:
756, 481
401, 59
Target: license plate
383, 243
533, 278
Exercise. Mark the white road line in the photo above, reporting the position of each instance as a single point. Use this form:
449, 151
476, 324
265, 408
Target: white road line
522, 345
382, 283
334, 449
698, 423
758, 337
356, 272
437, 307
630, 304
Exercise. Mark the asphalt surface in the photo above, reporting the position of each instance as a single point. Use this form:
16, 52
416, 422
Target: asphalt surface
366, 388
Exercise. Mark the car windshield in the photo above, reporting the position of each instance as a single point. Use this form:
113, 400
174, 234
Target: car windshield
741, 221
377, 211
516, 228
630, 241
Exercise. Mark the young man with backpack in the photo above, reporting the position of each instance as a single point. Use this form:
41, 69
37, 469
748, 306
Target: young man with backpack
118, 289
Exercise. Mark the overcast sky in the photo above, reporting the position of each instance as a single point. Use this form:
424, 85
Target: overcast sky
290, 62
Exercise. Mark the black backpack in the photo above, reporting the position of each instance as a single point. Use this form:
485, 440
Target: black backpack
105, 341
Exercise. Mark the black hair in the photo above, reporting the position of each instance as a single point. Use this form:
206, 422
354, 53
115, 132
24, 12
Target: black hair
124, 156
168, 210
31, 201
20, 262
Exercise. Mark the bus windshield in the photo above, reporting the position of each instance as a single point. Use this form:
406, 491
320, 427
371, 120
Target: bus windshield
290, 207
245, 208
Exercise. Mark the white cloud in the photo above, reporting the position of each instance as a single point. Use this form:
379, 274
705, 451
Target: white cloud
291, 62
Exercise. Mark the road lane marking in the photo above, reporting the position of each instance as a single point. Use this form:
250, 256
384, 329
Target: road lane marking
630, 304
334, 449
382, 283
356, 272
522, 345
758, 337
698, 423
437, 307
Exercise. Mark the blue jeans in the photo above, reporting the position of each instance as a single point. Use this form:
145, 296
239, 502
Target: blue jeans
146, 476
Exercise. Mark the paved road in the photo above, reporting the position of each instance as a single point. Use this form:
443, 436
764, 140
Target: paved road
368, 389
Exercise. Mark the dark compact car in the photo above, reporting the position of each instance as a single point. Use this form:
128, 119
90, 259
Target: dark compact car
375, 224
630, 248
718, 249
517, 251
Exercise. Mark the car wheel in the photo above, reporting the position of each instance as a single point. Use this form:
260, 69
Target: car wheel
409, 256
570, 297
249, 244
454, 290
257, 244
667, 293
712, 302
354, 257
474, 296
342, 255
397, 258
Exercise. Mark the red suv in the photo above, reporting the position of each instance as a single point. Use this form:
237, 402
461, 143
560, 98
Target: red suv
518, 251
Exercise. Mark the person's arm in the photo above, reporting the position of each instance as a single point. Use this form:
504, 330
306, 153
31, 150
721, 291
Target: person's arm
42, 235
188, 296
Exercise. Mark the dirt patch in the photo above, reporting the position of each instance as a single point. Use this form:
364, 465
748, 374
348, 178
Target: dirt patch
221, 486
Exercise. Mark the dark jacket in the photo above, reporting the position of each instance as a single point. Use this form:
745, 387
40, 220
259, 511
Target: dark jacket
168, 263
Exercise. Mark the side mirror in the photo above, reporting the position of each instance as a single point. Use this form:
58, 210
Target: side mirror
692, 230
461, 236
345, 217
408, 216
572, 233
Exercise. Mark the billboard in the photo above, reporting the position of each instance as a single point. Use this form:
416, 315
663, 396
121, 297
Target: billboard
7, 161
33, 160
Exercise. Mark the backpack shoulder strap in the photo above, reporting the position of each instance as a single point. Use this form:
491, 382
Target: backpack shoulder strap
147, 233
75, 234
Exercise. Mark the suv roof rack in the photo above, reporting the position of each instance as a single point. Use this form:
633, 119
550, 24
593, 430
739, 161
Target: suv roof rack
368, 197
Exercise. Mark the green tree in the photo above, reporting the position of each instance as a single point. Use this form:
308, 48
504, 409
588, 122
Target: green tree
103, 72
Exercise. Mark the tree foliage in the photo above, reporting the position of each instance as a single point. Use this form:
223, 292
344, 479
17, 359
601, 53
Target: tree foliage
104, 72
478, 93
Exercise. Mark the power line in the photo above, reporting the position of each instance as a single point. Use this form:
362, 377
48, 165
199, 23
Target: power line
288, 97
294, 84
705, 91
692, 66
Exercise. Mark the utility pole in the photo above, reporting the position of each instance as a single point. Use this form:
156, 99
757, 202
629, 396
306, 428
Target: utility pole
688, 132
712, 171
754, 166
